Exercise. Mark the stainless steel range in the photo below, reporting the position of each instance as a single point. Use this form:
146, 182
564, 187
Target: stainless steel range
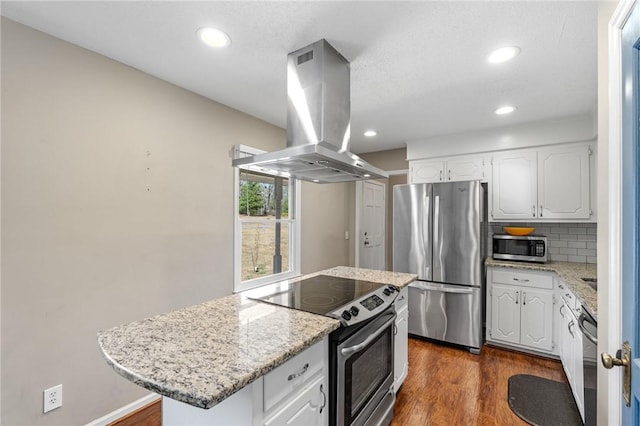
361, 350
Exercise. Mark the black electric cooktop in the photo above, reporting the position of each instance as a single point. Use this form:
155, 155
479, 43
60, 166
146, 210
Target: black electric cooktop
321, 294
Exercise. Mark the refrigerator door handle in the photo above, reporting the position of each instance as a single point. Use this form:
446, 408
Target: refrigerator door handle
427, 255
437, 261
448, 289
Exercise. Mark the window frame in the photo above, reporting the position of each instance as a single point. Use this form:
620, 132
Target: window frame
294, 232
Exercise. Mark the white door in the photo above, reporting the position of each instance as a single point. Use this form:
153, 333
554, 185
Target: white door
371, 242
427, 171
536, 328
514, 183
564, 183
505, 313
623, 320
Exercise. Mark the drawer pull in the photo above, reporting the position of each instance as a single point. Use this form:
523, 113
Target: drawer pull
400, 299
521, 280
561, 314
296, 375
560, 286
324, 399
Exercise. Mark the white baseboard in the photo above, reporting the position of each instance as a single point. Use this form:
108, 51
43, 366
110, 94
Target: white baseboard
123, 411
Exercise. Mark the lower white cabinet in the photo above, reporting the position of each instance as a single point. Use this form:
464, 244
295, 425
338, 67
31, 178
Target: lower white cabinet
401, 349
571, 351
308, 407
520, 309
295, 393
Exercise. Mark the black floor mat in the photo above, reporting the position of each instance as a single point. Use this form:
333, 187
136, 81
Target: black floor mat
542, 402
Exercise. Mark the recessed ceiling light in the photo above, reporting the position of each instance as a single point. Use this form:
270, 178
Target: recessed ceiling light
214, 37
370, 133
366, 175
508, 109
316, 180
503, 54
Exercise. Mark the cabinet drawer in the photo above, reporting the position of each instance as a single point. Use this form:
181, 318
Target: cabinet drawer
401, 300
291, 376
523, 279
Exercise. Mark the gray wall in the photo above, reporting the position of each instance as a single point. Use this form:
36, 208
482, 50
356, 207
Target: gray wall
117, 195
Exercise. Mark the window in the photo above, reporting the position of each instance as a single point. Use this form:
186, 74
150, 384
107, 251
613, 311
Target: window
267, 228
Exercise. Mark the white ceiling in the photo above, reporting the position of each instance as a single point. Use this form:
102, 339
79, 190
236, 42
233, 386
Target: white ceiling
418, 69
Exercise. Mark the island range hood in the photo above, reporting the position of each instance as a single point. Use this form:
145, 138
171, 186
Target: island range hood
318, 122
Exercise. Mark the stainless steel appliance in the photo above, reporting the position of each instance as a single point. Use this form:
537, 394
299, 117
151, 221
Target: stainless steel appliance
526, 248
439, 233
360, 351
589, 328
318, 122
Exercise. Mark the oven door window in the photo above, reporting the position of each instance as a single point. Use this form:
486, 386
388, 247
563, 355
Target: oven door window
365, 372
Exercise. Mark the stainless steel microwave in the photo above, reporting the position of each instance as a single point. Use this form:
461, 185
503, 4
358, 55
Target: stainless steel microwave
526, 248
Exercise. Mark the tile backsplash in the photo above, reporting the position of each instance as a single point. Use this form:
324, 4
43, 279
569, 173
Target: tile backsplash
568, 242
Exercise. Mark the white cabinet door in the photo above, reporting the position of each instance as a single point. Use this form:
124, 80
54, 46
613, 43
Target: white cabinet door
505, 313
514, 194
564, 183
536, 320
309, 408
577, 385
401, 350
465, 168
426, 171
566, 343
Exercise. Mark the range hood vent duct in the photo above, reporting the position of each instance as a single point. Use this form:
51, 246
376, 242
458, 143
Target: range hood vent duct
318, 122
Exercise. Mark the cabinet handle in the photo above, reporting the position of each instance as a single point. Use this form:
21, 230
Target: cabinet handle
395, 329
521, 280
533, 210
517, 296
324, 399
561, 314
449, 174
440, 174
300, 373
540, 210
524, 297
560, 286
400, 299
571, 324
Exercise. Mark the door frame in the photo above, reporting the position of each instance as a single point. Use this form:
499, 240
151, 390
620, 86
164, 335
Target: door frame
613, 320
358, 222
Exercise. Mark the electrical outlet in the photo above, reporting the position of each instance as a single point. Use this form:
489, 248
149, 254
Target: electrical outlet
52, 398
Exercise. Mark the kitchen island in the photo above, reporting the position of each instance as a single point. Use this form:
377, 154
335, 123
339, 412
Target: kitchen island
203, 354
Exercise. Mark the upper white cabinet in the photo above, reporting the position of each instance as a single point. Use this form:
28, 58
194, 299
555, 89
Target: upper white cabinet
426, 171
514, 185
451, 169
551, 183
563, 183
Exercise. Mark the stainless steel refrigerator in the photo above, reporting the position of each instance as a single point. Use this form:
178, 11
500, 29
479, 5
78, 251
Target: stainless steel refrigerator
439, 233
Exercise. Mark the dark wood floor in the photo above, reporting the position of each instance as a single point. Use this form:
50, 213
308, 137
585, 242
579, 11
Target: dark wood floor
450, 386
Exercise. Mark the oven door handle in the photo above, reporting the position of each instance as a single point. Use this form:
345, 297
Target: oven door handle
581, 319
360, 346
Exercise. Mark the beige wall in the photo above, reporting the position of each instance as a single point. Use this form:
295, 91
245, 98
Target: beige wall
605, 11
392, 159
117, 195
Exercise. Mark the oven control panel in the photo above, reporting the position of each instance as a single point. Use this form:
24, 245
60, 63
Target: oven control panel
367, 306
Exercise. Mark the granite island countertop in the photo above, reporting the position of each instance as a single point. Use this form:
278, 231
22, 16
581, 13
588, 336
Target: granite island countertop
570, 272
204, 353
